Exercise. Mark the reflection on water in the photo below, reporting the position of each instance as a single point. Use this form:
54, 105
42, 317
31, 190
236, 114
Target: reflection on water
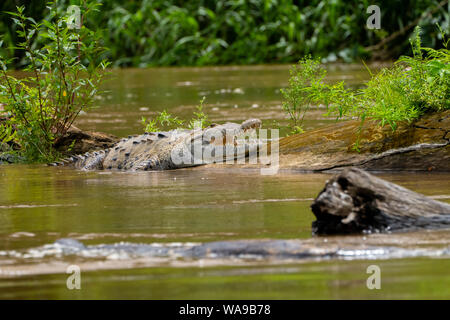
39, 205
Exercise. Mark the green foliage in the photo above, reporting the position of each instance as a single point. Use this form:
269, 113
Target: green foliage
412, 87
162, 121
427, 80
306, 88
165, 121
63, 78
7, 135
201, 119
204, 32
305, 78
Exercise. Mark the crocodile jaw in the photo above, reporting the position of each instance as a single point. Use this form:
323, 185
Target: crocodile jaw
224, 143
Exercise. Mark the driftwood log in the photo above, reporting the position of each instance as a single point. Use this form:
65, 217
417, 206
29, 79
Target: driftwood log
355, 201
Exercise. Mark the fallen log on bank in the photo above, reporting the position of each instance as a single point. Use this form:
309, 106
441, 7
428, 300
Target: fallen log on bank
75, 141
355, 201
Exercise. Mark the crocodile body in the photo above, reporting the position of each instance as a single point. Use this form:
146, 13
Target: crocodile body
172, 149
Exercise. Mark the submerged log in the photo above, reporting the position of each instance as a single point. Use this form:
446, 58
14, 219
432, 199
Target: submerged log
355, 201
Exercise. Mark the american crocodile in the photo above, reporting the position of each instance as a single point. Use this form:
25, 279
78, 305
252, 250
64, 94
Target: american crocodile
173, 149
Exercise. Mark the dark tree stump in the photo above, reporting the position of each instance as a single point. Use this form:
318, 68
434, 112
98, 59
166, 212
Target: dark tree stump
355, 201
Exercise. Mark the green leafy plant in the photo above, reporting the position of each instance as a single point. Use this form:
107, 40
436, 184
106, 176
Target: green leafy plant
305, 77
201, 119
412, 87
165, 121
62, 79
7, 135
306, 88
150, 125
162, 121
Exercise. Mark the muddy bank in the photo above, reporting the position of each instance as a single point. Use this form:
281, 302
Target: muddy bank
421, 146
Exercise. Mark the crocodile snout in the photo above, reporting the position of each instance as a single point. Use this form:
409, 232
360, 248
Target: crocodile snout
251, 124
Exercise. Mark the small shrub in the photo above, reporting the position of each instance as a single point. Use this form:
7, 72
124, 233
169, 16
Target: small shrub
201, 119
62, 80
7, 135
162, 121
306, 79
165, 121
411, 88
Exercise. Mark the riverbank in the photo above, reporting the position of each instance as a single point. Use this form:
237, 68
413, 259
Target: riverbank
421, 146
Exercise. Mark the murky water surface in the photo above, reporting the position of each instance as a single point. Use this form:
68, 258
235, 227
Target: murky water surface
39, 205
231, 94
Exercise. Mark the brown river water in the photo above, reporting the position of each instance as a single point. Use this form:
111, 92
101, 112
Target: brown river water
182, 208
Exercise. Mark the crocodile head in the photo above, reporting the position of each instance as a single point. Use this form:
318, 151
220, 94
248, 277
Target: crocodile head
218, 143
